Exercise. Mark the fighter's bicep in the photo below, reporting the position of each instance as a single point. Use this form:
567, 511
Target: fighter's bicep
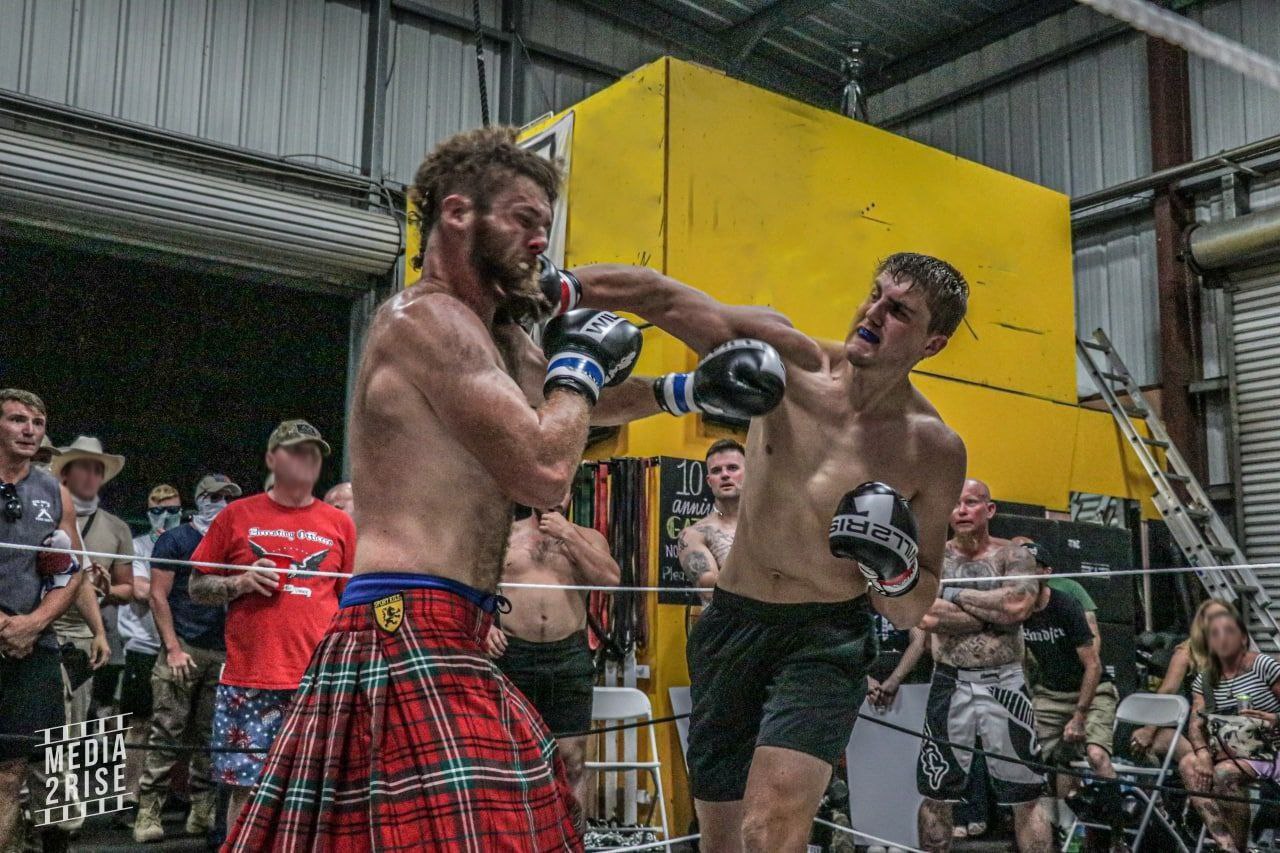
1017, 562
690, 537
525, 361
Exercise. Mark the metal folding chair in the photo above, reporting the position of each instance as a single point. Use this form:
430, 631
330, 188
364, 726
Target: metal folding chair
626, 705
1162, 710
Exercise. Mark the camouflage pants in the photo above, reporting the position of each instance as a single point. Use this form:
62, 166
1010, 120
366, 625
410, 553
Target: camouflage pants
182, 712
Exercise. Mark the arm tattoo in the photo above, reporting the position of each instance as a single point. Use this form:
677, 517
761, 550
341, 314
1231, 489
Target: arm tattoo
696, 565
996, 645
1017, 561
211, 589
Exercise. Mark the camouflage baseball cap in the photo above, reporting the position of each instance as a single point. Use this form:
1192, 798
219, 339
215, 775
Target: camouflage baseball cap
215, 484
296, 432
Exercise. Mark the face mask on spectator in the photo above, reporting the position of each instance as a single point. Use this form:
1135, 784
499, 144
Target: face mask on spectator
164, 518
207, 509
83, 507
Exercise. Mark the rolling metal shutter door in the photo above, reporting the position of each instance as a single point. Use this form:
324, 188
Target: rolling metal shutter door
53, 184
1255, 329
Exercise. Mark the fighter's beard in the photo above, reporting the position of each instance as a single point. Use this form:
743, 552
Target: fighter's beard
520, 298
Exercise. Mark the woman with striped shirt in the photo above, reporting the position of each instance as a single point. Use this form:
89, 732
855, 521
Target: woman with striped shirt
1237, 680
1190, 658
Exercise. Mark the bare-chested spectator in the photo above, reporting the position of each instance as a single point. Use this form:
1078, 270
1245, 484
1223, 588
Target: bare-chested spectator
703, 546
542, 643
979, 689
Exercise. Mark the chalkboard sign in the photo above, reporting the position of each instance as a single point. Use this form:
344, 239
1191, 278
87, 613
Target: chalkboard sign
683, 499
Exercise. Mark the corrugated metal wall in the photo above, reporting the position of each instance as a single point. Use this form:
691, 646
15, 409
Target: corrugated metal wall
1226, 109
1075, 126
1115, 272
276, 76
433, 90
286, 77
552, 86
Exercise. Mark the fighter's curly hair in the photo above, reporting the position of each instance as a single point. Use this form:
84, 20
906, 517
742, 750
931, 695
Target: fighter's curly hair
476, 163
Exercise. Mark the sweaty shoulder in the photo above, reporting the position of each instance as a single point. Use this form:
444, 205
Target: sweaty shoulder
438, 321
420, 341
928, 426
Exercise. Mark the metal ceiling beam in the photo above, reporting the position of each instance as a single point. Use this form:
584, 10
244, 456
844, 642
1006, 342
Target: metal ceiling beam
373, 124
743, 36
715, 49
956, 45
505, 38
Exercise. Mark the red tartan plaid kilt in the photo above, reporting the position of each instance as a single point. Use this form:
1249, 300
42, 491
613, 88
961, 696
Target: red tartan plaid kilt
409, 739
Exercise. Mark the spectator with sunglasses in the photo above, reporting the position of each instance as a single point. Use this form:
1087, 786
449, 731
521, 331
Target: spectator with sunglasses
138, 626
185, 676
35, 589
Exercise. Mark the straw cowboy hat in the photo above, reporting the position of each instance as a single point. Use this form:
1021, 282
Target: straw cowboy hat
87, 447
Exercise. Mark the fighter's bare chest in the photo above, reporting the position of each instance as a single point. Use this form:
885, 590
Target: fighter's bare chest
824, 460
536, 551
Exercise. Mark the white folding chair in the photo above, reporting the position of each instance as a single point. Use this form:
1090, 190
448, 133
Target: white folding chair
1162, 710
611, 705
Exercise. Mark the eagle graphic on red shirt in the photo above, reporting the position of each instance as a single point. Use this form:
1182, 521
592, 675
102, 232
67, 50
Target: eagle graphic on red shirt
308, 563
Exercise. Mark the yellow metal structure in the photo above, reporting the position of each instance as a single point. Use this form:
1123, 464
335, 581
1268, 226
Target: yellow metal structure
759, 199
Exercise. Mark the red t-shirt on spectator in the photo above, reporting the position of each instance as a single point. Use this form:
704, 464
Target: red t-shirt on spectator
270, 638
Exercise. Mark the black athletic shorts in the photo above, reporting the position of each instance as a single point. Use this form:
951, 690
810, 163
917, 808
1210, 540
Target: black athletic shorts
30, 700
135, 690
557, 677
785, 675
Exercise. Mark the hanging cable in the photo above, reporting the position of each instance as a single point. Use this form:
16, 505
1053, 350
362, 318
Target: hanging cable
484, 86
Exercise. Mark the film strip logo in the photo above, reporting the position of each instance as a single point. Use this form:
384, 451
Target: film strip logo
84, 765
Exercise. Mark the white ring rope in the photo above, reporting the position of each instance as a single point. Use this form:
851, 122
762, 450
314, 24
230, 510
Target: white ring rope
883, 841
653, 845
588, 588
1192, 37
1170, 570
656, 844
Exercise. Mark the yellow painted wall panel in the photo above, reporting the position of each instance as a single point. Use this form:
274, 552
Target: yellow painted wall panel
775, 202
615, 187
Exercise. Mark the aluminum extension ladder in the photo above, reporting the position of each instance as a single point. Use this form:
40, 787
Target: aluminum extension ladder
1196, 526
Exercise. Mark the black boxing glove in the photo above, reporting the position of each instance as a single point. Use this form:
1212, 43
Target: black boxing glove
560, 287
744, 378
589, 350
874, 526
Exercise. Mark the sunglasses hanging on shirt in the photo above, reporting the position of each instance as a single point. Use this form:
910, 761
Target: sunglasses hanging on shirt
12, 505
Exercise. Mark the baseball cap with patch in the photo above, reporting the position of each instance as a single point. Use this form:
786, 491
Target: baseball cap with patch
296, 432
213, 484
162, 492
